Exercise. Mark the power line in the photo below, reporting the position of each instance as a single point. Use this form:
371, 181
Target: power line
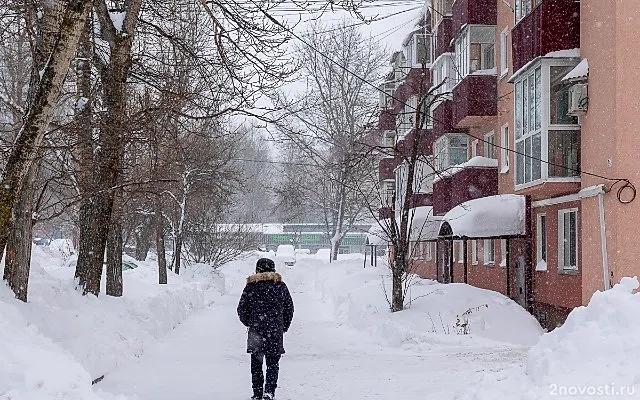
626, 183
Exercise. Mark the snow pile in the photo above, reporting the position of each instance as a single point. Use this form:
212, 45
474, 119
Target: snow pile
91, 336
474, 162
491, 216
437, 313
596, 344
591, 356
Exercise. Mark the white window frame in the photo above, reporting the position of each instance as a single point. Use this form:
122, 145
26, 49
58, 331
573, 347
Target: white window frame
561, 240
541, 112
412, 51
463, 51
504, 149
474, 252
442, 151
440, 9
522, 8
474, 148
429, 251
503, 252
541, 262
460, 251
489, 144
489, 257
443, 69
504, 52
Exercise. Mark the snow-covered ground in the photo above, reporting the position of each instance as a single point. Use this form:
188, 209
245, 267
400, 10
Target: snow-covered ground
184, 341
343, 344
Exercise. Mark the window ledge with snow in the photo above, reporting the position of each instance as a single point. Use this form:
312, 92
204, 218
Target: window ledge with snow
503, 263
566, 271
541, 266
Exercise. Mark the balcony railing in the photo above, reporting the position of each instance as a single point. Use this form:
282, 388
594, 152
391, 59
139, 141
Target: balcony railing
473, 12
475, 101
552, 26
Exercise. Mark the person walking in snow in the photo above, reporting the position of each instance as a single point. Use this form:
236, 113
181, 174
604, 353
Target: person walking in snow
266, 308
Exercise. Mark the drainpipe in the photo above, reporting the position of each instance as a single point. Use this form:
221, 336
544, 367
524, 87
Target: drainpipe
603, 243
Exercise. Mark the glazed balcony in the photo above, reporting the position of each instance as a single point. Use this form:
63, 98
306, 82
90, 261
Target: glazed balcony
475, 101
473, 12
476, 178
552, 26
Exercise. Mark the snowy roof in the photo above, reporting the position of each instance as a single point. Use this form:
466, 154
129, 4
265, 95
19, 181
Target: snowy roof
581, 71
474, 162
486, 217
570, 53
424, 227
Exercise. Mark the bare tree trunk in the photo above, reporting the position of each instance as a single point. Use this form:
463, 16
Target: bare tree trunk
18, 257
114, 251
40, 111
162, 259
144, 238
177, 254
84, 148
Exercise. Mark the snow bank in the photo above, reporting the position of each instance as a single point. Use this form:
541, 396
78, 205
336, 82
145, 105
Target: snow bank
597, 344
358, 298
60, 332
593, 355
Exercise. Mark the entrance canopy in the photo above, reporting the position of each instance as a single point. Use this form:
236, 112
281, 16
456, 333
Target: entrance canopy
496, 216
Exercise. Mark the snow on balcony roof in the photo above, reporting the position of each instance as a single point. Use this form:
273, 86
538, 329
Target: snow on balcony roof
487, 217
570, 53
424, 227
581, 71
474, 162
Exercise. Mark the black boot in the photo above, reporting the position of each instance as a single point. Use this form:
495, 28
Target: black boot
257, 394
269, 396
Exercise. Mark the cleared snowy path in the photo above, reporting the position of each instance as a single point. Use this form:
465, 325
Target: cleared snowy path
204, 359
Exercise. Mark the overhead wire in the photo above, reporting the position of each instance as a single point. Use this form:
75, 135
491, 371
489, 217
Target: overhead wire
625, 183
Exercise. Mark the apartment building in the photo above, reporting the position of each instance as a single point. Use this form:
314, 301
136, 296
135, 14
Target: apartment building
531, 137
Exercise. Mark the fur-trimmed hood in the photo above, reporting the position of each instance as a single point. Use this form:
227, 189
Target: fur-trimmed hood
264, 276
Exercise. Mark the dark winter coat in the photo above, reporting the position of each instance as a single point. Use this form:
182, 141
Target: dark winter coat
266, 308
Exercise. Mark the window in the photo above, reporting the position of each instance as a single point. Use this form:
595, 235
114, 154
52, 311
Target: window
474, 148
504, 51
524, 7
504, 149
441, 8
503, 253
386, 95
460, 251
546, 139
418, 51
564, 153
428, 251
490, 145
568, 240
474, 252
528, 123
475, 49
450, 150
541, 242
388, 193
489, 252
443, 69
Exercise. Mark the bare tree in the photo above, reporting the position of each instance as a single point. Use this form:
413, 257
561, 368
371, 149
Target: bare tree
329, 122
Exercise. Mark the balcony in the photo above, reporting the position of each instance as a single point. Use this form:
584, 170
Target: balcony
443, 120
473, 12
385, 213
475, 101
387, 166
552, 26
425, 144
476, 178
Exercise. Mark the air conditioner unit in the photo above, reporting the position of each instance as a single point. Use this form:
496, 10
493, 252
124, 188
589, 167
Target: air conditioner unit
578, 100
